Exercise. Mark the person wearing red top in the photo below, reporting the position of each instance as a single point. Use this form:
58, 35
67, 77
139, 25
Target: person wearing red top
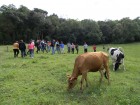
94, 48
31, 49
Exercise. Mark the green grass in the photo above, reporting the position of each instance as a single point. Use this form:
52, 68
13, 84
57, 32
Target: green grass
43, 80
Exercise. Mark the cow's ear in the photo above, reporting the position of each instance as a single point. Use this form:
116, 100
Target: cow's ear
72, 78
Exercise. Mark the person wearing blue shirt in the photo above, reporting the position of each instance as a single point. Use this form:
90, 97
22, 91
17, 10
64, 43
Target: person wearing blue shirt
62, 47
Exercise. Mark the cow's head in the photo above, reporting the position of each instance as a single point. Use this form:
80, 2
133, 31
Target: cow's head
117, 66
71, 82
120, 57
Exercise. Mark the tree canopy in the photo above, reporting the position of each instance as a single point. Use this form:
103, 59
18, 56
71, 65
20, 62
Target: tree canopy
22, 23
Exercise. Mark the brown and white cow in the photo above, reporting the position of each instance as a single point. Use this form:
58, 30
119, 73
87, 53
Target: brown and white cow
89, 62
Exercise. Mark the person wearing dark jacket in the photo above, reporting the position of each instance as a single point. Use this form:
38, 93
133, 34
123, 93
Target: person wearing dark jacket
52, 46
37, 44
22, 48
77, 48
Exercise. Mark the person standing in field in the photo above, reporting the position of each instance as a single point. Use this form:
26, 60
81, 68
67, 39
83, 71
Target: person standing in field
22, 48
94, 48
69, 47
62, 47
72, 48
53, 46
37, 44
48, 46
42, 43
85, 47
77, 48
57, 47
31, 49
16, 49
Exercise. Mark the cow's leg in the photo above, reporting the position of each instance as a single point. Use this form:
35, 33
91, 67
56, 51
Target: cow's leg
113, 66
82, 80
86, 80
101, 78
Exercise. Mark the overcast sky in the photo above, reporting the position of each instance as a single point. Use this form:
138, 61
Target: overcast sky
83, 9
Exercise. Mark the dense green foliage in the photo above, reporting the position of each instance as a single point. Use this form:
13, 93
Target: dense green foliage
43, 81
22, 23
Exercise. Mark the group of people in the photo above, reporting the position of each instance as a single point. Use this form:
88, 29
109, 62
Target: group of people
20, 45
71, 47
47, 46
57, 47
42, 45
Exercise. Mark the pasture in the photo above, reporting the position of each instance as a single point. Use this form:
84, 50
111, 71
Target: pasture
43, 80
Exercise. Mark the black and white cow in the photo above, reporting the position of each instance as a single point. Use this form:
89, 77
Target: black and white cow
117, 57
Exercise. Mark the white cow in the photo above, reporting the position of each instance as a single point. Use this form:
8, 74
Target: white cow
117, 57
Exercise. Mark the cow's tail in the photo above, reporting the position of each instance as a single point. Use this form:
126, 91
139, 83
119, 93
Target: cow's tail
105, 75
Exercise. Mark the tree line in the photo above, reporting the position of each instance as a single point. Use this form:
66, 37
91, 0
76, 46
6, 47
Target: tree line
22, 23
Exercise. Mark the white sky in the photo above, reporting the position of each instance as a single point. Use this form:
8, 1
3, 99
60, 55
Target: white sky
83, 9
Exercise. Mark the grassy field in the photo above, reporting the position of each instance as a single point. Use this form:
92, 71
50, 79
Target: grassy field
43, 81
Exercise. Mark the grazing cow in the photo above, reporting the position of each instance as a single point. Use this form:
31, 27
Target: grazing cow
89, 62
117, 57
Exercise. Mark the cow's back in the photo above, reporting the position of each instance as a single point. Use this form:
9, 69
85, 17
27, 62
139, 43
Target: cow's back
91, 61
114, 53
